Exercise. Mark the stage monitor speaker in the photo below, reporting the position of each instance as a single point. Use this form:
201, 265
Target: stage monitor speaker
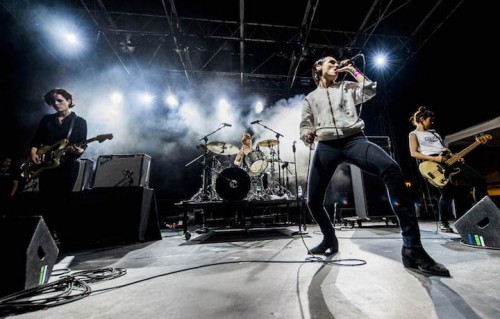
109, 216
83, 174
28, 253
122, 170
480, 226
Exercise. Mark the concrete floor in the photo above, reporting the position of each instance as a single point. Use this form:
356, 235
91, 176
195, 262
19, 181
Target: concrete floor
270, 275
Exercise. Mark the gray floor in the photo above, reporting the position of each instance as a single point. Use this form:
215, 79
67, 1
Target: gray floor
271, 277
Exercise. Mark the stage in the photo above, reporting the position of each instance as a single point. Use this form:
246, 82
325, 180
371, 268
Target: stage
273, 277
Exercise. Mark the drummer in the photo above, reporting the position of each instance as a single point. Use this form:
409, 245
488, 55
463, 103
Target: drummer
246, 148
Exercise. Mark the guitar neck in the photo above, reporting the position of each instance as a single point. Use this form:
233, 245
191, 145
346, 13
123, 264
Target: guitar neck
83, 143
452, 160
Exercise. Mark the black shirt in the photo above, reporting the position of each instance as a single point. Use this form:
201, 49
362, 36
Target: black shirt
50, 131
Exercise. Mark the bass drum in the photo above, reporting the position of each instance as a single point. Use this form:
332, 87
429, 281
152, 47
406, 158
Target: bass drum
232, 184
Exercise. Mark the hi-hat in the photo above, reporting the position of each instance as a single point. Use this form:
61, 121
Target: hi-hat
268, 143
223, 148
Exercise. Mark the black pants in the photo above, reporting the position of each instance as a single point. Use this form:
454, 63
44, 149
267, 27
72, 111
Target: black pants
466, 176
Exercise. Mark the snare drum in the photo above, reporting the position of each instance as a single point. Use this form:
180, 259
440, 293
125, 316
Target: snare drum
256, 163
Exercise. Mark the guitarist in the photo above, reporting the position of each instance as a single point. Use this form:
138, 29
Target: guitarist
55, 184
426, 145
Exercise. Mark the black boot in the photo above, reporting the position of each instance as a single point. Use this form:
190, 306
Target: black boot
332, 244
417, 258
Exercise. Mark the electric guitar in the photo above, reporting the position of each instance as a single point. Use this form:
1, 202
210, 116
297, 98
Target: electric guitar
438, 174
51, 156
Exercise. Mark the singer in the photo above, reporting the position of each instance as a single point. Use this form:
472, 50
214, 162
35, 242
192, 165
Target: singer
330, 119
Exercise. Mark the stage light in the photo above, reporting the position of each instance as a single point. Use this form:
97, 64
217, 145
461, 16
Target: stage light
380, 60
259, 107
71, 37
116, 97
171, 101
146, 98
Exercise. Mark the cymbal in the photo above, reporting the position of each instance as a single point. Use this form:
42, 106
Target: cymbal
268, 143
223, 148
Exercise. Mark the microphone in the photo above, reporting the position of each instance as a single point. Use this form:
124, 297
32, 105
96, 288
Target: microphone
255, 122
293, 146
347, 61
225, 124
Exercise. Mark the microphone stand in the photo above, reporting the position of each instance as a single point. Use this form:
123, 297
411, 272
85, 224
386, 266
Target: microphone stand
300, 202
279, 159
202, 193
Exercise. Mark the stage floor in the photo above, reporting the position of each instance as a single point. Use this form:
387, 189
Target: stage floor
266, 273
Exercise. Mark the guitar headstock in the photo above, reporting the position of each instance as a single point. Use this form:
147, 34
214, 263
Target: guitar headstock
103, 137
483, 138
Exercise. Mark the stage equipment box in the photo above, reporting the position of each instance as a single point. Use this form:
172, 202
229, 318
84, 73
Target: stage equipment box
122, 170
83, 172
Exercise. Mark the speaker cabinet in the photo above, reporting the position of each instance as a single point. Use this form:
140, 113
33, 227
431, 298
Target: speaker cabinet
108, 216
480, 226
354, 190
28, 253
83, 172
122, 170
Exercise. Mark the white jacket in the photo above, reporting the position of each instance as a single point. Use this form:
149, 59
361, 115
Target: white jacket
331, 112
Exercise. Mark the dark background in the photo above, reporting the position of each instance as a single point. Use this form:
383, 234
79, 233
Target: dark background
448, 66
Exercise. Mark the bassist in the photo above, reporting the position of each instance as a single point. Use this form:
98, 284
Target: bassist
55, 184
426, 145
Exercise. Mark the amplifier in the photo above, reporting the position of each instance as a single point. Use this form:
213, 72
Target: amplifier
384, 142
83, 174
122, 170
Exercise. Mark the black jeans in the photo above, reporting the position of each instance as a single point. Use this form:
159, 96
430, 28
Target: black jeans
466, 176
371, 158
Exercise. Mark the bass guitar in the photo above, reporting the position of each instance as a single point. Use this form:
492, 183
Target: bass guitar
439, 174
51, 156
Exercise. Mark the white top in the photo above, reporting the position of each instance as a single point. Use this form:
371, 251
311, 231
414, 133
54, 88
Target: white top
429, 142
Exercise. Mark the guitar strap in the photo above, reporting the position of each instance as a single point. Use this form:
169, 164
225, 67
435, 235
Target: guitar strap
438, 137
71, 127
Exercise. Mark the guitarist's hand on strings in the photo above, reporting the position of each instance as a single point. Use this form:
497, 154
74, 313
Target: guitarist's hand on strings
75, 149
34, 156
440, 159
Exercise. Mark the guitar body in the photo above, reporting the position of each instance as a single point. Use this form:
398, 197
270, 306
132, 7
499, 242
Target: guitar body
437, 174
50, 157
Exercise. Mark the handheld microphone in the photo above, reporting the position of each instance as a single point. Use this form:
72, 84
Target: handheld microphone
255, 122
225, 124
351, 60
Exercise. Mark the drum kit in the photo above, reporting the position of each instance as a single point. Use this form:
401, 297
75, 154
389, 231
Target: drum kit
254, 180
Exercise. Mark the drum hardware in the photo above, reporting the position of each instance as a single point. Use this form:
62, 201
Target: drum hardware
206, 191
271, 144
